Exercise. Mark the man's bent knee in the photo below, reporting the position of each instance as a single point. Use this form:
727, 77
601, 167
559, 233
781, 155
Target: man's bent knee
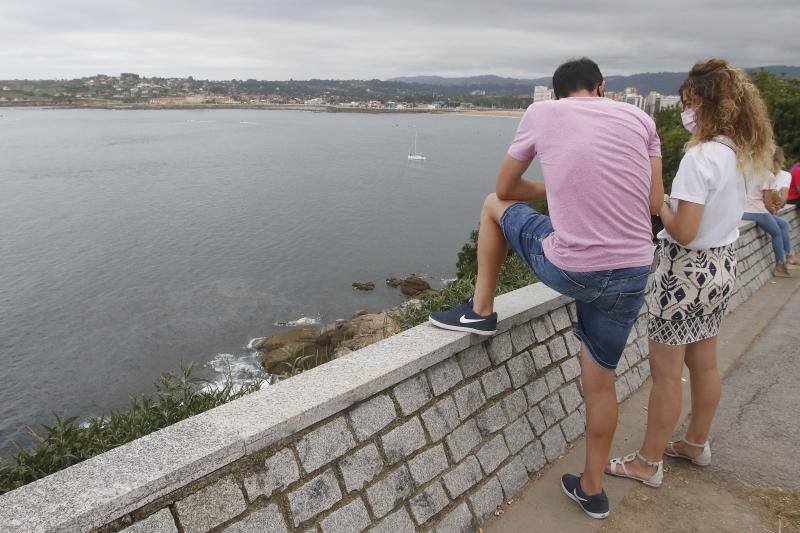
494, 207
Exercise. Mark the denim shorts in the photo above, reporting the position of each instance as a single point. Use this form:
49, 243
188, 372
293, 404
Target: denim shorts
608, 301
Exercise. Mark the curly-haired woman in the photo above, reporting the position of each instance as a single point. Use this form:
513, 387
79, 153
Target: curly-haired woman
731, 138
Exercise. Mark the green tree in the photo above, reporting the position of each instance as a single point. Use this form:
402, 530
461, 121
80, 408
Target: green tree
782, 96
673, 138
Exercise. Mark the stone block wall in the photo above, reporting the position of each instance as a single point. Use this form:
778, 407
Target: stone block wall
425, 431
756, 258
440, 451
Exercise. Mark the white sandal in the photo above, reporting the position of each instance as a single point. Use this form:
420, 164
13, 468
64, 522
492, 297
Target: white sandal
704, 459
618, 468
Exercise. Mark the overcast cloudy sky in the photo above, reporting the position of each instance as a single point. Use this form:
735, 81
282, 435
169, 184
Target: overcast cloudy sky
281, 39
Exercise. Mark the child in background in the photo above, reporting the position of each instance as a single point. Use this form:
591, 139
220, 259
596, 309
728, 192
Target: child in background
783, 179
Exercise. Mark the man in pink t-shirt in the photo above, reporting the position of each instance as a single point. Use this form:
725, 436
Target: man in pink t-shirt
601, 162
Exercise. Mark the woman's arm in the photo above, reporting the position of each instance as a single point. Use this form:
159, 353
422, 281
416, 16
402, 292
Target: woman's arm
772, 200
683, 224
784, 196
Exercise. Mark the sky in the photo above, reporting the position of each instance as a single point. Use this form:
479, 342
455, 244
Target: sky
347, 39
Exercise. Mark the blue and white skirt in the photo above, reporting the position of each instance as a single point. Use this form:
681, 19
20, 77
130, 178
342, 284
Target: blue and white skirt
690, 293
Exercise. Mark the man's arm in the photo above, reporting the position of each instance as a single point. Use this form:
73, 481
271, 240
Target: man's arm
512, 186
684, 224
656, 185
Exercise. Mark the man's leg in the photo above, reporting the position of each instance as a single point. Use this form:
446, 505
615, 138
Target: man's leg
600, 397
492, 251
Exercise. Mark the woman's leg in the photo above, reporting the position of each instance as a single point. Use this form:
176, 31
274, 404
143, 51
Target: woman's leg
786, 238
767, 222
666, 396
701, 358
664, 408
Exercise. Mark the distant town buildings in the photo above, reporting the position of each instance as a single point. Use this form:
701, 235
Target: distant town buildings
542, 93
192, 99
652, 103
132, 89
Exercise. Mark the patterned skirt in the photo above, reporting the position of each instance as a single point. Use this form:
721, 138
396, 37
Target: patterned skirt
690, 292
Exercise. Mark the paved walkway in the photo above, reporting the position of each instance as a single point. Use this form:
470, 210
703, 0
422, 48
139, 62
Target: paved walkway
754, 440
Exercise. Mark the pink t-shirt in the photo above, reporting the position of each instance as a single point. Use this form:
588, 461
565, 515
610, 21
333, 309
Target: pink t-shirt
595, 156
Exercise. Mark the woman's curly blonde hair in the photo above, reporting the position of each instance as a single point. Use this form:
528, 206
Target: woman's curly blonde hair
727, 103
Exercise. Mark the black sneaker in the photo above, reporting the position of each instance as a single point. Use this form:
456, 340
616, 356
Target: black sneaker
462, 318
595, 506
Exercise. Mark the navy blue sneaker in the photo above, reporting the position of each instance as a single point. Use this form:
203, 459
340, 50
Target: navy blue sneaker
595, 506
463, 318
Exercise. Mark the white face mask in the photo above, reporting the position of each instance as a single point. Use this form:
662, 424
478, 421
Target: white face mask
687, 117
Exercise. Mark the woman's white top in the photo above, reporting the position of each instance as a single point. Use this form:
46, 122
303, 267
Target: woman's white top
783, 180
755, 196
708, 175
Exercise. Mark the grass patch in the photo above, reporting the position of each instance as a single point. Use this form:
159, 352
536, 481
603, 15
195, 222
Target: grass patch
513, 275
302, 358
65, 443
783, 505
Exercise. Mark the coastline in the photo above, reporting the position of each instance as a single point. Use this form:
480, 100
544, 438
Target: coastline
270, 107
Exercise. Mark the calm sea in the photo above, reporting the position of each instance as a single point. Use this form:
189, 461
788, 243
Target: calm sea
133, 241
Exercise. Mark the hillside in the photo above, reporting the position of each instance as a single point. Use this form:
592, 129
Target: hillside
663, 82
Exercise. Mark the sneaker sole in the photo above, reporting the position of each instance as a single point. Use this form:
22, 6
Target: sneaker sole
598, 516
465, 329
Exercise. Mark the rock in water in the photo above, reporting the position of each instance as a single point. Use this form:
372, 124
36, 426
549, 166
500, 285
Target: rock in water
413, 285
393, 282
363, 286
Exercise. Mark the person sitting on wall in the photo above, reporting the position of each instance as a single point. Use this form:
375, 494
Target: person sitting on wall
783, 179
601, 162
763, 201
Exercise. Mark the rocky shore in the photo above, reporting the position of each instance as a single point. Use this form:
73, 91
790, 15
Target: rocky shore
316, 344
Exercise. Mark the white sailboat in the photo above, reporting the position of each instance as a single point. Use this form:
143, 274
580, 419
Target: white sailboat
413, 155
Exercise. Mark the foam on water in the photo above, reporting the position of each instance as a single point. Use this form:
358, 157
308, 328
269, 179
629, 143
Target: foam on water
302, 321
237, 369
252, 344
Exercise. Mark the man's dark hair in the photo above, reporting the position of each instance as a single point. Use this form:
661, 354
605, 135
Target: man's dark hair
575, 75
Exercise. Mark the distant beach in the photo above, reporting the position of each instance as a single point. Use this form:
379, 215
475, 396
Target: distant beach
272, 107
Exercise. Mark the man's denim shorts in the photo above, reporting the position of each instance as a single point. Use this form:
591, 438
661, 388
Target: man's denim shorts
608, 301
